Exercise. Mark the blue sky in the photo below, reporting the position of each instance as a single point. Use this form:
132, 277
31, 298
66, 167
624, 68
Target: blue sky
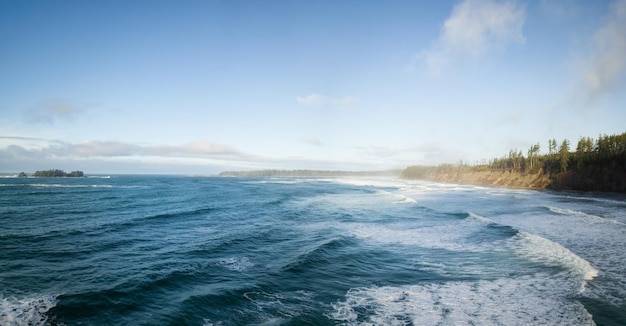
206, 86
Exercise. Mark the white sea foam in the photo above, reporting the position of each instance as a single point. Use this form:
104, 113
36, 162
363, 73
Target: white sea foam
544, 251
370, 181
209, 322
527, 300
405, 200
402, 199
480, 219
280, 180
589, 218
59, 185
594, 246
447, 236
237, 264
25, 312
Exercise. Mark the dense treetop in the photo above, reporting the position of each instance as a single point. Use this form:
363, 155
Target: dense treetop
598, 164
58, 174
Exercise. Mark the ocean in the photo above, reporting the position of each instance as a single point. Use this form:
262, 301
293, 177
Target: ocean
187, 250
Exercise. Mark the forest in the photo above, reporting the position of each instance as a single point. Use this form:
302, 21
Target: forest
593, 165
57, 174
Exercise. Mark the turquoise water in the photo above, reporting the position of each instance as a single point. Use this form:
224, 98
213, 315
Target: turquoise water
165, 250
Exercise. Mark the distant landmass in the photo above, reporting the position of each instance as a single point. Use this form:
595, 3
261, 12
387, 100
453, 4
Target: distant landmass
54, 174
307, 173
595, 165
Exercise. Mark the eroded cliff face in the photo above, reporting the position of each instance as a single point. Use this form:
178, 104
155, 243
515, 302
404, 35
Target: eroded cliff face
537, 180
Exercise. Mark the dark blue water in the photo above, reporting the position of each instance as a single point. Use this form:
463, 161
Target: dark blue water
159, 250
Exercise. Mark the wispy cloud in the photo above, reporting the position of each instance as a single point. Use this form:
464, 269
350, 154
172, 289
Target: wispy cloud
313, 141
22, 154
54, 109
474, 28
197, 148
321, 100
606, 64
97, 149
94, 149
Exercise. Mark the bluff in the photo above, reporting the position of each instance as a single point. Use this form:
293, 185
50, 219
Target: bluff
595, 165
511, 179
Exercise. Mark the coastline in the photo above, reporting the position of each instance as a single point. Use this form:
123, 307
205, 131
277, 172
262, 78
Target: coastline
506, 179
566, 181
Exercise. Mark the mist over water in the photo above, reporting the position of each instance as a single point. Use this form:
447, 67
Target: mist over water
156, 250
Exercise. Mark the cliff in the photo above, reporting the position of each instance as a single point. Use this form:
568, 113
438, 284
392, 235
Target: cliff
537, 180
602, 178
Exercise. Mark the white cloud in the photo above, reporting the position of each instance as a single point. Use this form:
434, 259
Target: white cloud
474, 28
321, 100
313, 99
313, 142
18, 154
53, 109
93, 149
197, 148
607, 62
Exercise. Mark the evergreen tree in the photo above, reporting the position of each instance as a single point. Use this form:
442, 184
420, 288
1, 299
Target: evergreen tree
564, 155
552, 147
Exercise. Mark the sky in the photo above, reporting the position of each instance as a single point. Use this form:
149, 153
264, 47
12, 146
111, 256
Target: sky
199, 87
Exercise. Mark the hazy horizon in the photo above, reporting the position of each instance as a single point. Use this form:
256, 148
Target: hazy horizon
205, 86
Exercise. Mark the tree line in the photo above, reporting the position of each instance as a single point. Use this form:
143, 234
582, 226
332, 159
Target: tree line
608, 151
594, 164
56, 174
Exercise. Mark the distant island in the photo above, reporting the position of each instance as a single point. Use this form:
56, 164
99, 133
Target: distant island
55, 174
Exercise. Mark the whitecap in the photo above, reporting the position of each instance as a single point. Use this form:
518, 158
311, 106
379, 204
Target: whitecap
27, 311
480, 219
448, 236
404, 200
526, 300
549, 253
237, 264
588, 218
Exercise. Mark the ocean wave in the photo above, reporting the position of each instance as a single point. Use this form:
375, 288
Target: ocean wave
267, 308
236, 264
544, 251
448, 236
26, 311
478, 218
54, 185
176, 214
589, 218
528, 300
402, 199
436, 230
317, 254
